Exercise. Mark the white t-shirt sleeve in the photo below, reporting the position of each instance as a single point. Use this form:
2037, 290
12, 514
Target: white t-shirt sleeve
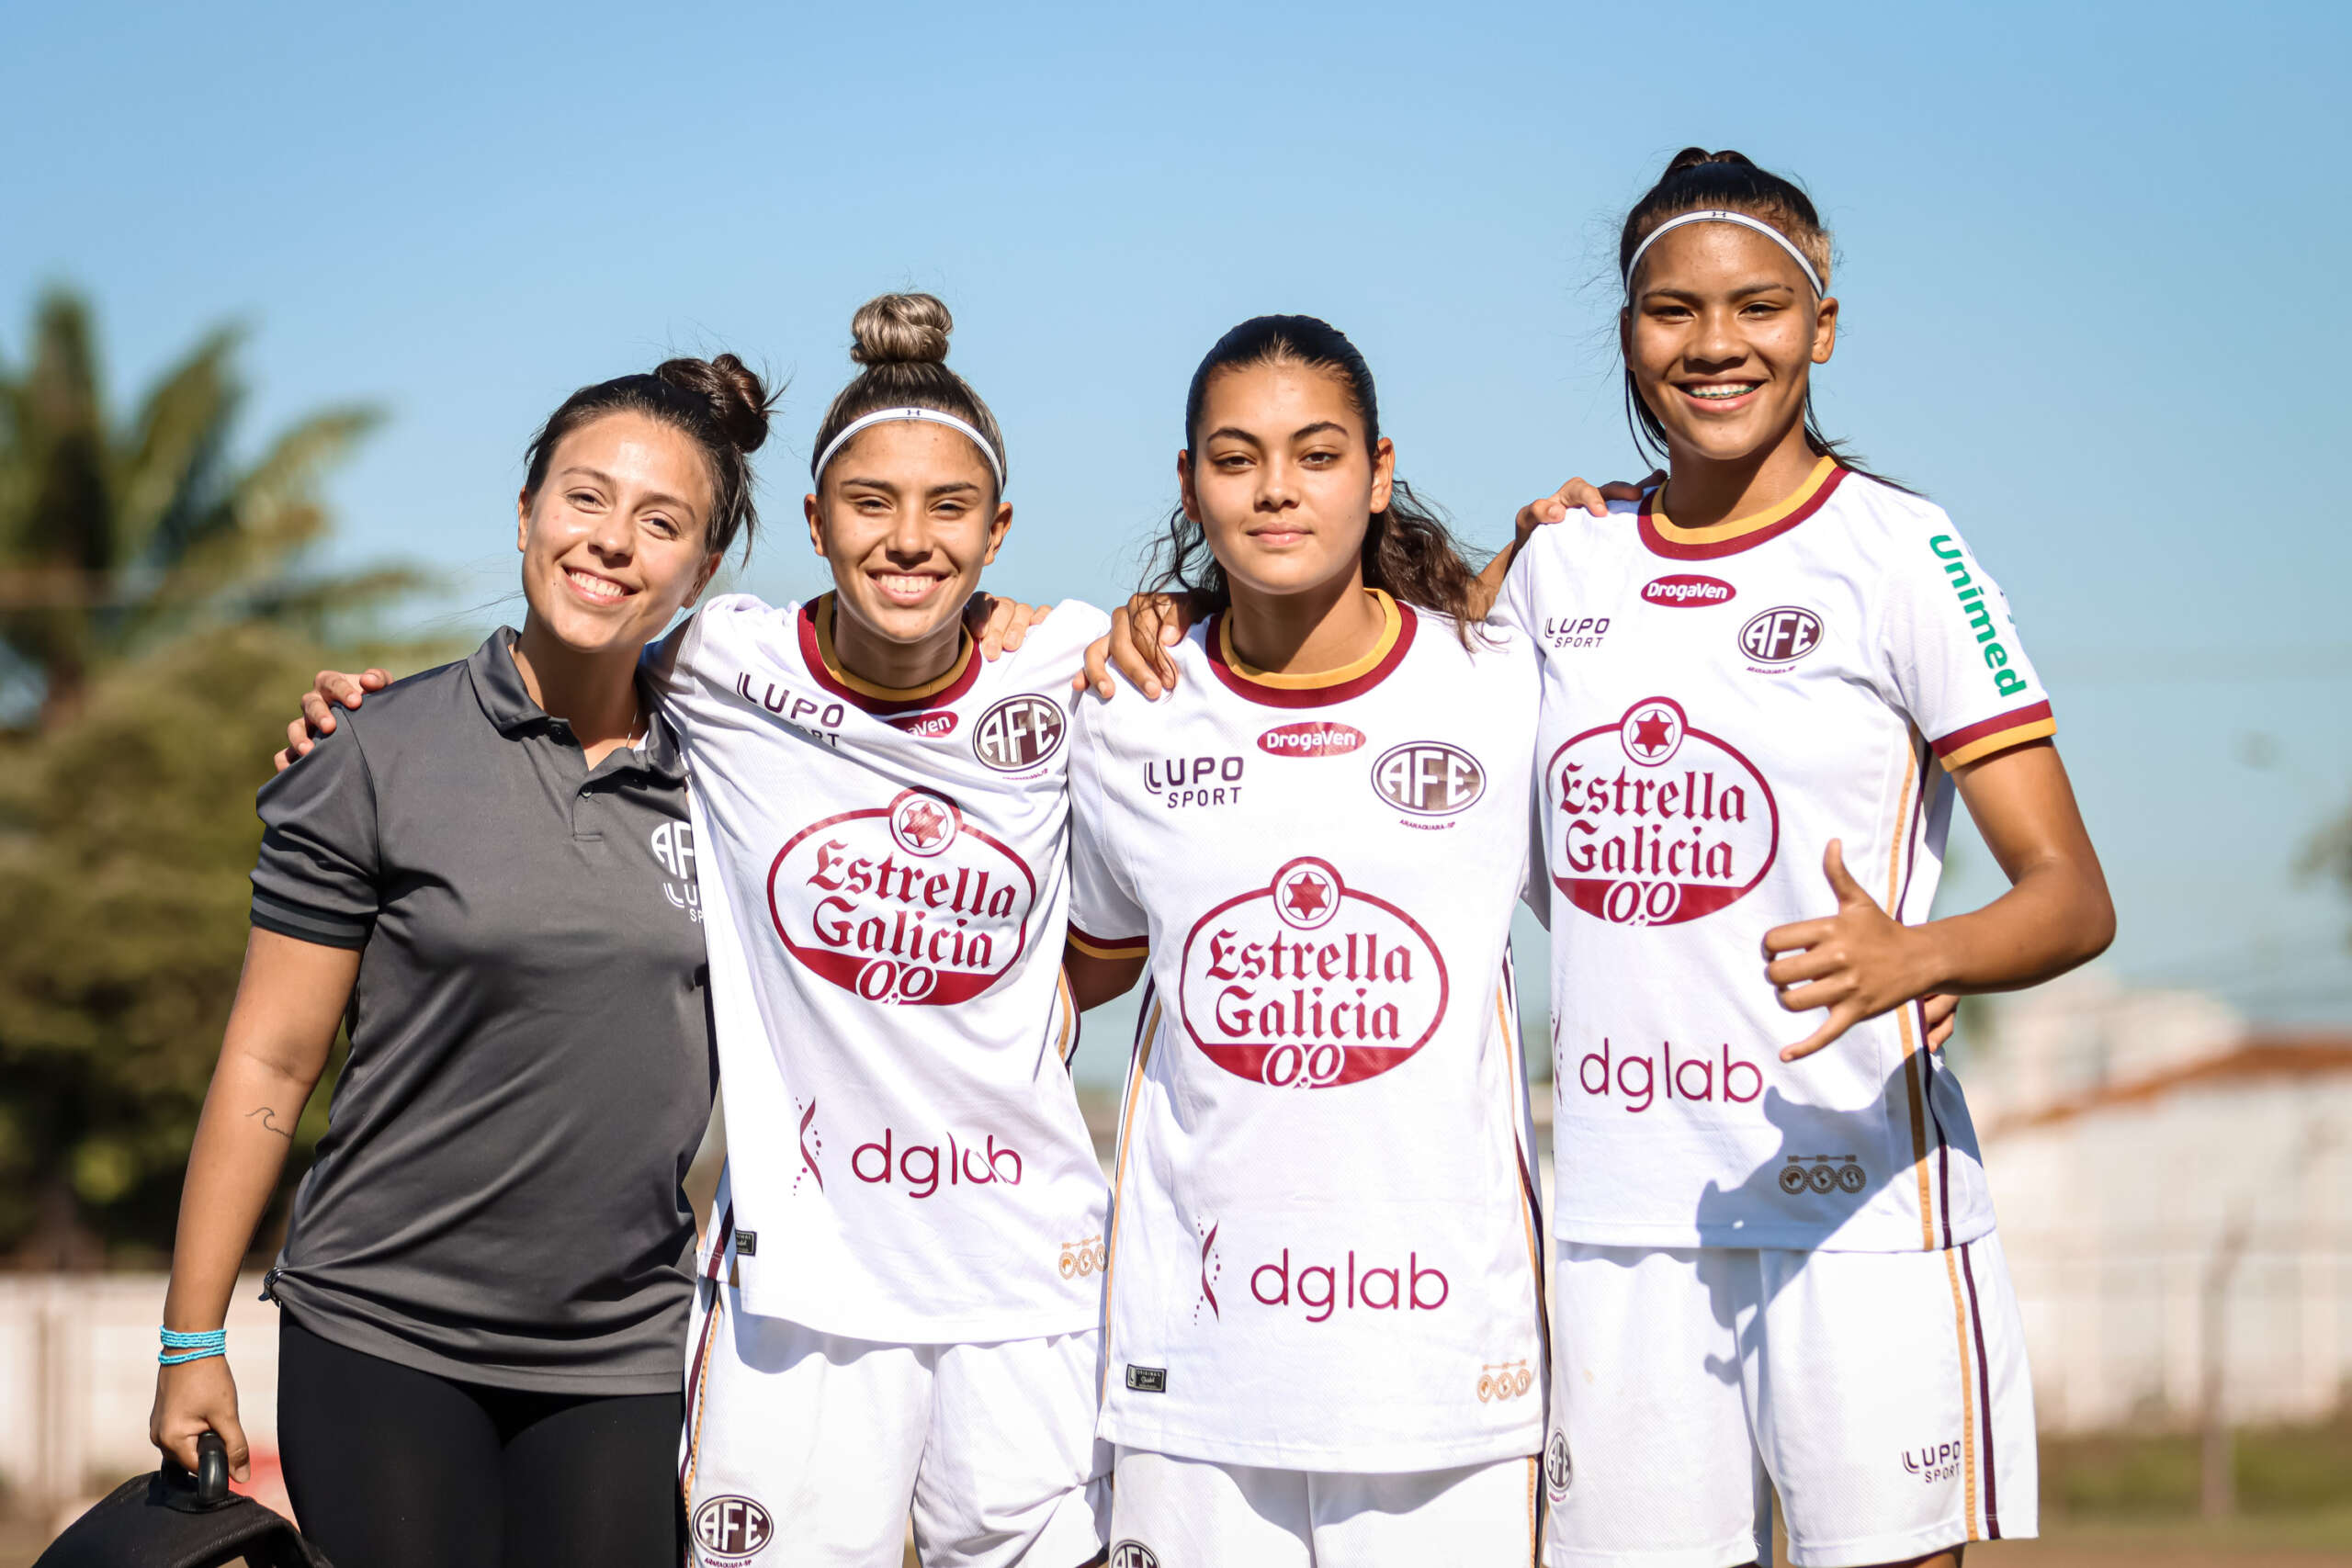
1514, 607
1105, 918
1953, 658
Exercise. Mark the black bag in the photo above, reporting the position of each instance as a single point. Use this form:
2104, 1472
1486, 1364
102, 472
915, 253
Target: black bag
173, 1520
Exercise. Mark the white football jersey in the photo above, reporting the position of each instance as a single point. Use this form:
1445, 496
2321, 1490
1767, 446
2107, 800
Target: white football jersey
1325, 1250
1717, 706
884, 884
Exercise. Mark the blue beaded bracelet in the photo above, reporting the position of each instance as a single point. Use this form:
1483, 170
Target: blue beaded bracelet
192, 1347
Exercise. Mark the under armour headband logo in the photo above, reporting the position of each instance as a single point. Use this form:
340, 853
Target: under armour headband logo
893, 416
1716, 215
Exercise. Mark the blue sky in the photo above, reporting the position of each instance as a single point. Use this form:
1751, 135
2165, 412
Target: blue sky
2088, 257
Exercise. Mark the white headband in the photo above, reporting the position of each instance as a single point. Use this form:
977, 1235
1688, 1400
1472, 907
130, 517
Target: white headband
1745, 222
892, 416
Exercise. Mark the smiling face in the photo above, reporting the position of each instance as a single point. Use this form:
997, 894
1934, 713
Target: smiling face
1281, 480
614, 539
1721, 336
906, 515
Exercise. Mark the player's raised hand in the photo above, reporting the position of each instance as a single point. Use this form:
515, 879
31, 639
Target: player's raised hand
999, 626
332, 688
1857, 963
1142, 630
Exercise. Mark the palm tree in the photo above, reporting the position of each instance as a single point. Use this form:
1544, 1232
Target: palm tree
115, 537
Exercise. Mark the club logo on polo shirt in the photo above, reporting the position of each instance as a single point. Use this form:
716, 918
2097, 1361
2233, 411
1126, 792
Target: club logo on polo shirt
904, 903
732, 1529
673, 851
1305, 982
1132, 1555
1654, 821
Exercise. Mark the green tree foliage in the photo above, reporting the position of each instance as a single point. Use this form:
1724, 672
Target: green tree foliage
126, 834
114, 537
155, 627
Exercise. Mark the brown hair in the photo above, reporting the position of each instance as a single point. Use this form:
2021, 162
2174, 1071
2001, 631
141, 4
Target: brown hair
901, 339
1696, 181
719, 402
1407, 550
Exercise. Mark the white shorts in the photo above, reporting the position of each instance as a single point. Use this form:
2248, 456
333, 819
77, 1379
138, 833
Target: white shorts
1883, 1394
804, 1449
1183, 1513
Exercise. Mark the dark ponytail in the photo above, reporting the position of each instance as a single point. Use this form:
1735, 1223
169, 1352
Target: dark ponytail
719, 402
1696, 181
1409, 552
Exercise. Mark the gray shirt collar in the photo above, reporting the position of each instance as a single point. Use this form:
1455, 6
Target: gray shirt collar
507, 703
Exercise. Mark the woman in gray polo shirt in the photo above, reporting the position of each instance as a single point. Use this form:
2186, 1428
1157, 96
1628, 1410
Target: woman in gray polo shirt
489, 878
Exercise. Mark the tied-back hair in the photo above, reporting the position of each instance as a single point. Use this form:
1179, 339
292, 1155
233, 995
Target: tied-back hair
720, 403
1699, 181
1409, 552
901, 339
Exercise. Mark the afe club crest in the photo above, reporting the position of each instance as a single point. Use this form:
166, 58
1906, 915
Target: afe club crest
907, 902
1308, 982
1653, 821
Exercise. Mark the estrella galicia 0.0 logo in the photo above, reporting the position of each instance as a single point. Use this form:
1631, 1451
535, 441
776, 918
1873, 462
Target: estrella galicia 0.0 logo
733, 1527
1018, 732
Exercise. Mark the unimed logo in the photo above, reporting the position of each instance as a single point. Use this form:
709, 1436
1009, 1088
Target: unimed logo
732, 1527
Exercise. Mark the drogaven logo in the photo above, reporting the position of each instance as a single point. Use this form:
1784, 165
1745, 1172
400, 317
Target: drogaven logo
1429, 778
1780, 635
733, 1527
903, 903
1308, 982
1654, 822
1018, 732
931, 725
1688, 590
1316, 738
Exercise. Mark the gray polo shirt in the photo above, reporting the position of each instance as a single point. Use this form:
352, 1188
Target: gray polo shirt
497, 1197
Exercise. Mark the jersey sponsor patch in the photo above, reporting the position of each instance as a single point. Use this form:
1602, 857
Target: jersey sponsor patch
904, 903
1308, 983
1655, 821
1315, 737
1688, 590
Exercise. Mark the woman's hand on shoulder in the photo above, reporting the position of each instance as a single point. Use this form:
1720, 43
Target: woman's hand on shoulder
194, 1398
333, 688
1578, 495
1001, 625
1142, 630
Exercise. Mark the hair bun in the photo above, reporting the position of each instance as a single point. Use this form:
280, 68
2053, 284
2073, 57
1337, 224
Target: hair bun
901, 329
733, 392
1691, 157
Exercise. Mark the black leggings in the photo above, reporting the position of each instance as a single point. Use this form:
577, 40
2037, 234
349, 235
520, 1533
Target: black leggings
390, 1467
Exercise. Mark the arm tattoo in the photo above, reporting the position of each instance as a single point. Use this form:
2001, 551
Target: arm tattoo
269, 1120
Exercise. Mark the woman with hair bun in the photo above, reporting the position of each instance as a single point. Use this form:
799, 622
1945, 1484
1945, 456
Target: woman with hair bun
903, 1278
487, 877
1764, 682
